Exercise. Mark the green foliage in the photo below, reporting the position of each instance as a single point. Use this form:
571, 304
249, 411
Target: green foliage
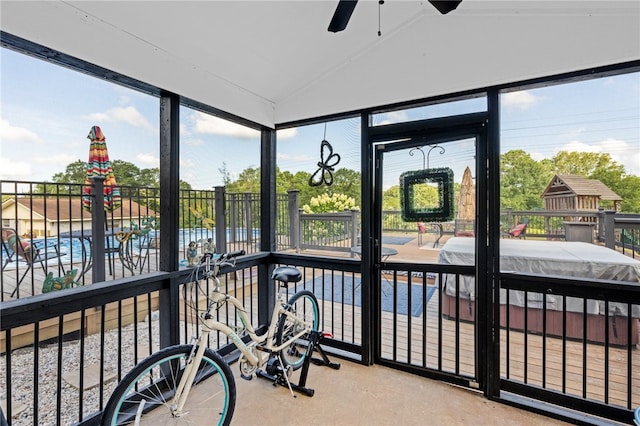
522, 181
345, 181
127, 174
325, 203
424, 195
588, 164
75, 172
629, 190
330, 203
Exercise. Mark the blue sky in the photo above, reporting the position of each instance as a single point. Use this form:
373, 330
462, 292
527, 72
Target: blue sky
47, 112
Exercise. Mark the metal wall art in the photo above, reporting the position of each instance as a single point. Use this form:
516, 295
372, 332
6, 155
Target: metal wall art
326, 165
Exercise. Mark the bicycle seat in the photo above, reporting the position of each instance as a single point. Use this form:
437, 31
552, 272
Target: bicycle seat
286, 274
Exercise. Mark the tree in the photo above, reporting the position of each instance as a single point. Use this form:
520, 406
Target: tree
522, 180
248, 181
424, 196
587, 164
346, 181
226, 176
75, 172
629, 190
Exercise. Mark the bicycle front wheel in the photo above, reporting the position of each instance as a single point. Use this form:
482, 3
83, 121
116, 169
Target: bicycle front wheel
145, 395
304, 306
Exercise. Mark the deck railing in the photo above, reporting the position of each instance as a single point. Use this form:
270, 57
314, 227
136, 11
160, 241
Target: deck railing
63, 352
581, 347
75, 339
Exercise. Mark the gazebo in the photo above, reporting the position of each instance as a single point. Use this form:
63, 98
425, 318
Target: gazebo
573, 192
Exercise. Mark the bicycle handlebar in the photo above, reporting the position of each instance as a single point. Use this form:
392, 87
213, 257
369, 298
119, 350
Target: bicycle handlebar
224, 257
232, 254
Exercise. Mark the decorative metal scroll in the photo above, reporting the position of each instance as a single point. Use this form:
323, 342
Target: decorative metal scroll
326, 165
412, 210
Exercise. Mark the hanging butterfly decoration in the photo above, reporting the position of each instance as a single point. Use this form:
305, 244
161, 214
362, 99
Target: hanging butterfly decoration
328, 160
326, 165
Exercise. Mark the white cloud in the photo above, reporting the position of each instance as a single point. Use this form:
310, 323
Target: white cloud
621, 151
61, 159
286, 134
193, 142
17, 134
208, 124
521, 100
187, 164
184, 131
14, 170
577, 146
299, 157
537, 156
149, 159
129, 115
393, 117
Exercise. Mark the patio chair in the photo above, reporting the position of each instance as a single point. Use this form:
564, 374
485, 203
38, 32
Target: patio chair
15, 249
422, 229
134, 249
464, 228
518, 231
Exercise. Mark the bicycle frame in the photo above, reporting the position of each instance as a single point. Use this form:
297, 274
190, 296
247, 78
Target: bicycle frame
210, 324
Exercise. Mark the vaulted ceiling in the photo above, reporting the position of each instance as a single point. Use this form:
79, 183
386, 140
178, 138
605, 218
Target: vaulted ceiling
274, 62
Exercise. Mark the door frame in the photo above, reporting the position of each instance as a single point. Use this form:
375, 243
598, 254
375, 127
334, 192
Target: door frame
393, 137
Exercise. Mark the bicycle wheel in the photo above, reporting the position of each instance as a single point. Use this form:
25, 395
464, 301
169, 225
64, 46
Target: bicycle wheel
305, 307
145, 394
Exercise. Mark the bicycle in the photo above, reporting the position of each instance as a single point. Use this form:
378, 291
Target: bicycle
159, 387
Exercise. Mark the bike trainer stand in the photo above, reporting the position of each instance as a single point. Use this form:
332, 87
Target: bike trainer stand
280, 376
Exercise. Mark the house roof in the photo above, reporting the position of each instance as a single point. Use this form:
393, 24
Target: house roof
580, 185
62, 209
274, 62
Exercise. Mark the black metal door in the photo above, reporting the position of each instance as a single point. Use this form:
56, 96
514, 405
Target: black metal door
427, 187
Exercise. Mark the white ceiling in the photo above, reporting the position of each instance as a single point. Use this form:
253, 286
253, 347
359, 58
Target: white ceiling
274, 61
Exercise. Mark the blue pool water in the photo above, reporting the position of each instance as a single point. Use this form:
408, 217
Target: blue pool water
72, 247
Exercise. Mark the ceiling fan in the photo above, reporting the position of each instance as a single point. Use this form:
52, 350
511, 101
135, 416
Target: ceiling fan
345, 9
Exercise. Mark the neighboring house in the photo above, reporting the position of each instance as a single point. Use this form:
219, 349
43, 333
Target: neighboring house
37, 217
572, 192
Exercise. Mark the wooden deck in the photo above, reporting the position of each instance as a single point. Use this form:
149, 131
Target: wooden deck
415, 341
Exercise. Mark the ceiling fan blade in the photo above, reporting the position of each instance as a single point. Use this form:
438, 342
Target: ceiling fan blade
445, 6
342, 15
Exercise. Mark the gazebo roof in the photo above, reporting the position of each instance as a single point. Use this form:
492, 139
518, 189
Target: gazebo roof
580, 185
274, 62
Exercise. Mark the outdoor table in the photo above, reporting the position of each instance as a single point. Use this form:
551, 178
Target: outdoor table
86, 239
385, 252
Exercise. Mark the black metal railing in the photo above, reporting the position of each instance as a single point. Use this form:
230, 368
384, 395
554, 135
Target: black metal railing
572, 342
84, 341
422, 328
335, 282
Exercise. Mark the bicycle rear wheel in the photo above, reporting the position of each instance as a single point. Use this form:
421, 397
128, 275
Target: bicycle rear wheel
146, 392
305, 307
